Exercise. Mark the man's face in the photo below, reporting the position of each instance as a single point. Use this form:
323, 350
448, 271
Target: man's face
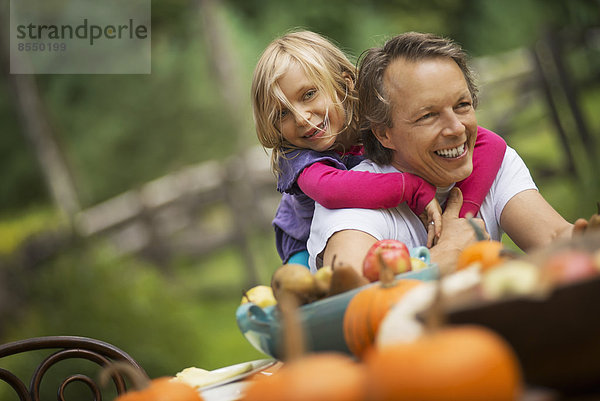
433, 121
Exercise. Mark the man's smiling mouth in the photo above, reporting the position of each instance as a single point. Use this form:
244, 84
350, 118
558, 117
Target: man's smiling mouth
452, 152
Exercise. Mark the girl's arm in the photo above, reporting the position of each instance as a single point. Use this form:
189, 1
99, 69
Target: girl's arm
487, 158
335, 189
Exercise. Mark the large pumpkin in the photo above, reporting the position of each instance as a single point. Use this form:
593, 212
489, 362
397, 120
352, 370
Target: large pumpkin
466, 363
367, 309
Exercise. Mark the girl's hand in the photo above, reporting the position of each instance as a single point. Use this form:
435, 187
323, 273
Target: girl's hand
432, 219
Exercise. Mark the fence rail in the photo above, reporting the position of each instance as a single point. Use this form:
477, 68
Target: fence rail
191, 210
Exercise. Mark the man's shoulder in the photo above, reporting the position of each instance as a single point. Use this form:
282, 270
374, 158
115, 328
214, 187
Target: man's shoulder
371, 166
512, 164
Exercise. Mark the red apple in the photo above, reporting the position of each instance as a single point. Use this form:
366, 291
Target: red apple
569, 266
395, 255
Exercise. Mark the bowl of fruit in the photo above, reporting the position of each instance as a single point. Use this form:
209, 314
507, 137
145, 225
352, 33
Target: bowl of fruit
324, 296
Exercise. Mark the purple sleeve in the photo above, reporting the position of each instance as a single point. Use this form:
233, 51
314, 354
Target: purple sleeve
487, 159
295, 161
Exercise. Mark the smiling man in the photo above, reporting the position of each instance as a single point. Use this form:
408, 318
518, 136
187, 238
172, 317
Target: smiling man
417, 111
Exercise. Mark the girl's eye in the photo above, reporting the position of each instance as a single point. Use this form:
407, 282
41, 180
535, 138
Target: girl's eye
283, 113
310, 94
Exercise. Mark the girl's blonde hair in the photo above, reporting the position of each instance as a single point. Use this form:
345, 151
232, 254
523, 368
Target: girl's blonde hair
323, 62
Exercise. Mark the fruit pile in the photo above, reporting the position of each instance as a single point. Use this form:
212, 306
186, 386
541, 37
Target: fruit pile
398, 356
297, 281
445, 363
505, 275
383, 331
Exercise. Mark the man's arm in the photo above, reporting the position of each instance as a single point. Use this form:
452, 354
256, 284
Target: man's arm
531, 222
349, 247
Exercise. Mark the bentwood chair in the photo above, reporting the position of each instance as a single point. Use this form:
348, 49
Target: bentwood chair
66, 347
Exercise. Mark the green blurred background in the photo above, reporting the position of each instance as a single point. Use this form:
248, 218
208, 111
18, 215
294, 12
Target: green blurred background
118, 132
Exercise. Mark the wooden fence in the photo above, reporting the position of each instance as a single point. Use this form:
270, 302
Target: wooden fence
192, 211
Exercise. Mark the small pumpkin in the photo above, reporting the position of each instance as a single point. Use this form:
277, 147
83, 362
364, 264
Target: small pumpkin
367, 309
486, 253
163, 389
467, 363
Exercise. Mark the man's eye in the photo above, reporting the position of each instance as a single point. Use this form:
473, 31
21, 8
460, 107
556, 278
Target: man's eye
463, 105
425, 117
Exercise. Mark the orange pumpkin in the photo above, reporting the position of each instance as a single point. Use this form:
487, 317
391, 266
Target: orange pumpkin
317, 377
464, 363
367, 309
486, 253
163, 389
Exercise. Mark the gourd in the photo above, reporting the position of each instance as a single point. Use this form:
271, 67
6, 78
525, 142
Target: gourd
464, 363
367, 309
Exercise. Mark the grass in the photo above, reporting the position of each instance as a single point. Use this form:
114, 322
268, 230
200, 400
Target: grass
15, 229
165, 321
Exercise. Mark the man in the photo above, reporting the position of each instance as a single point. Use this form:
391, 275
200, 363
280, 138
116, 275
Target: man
417, 112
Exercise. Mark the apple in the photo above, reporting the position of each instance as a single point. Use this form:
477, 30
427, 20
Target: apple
395, 255
260, 295
512, 278
569, 266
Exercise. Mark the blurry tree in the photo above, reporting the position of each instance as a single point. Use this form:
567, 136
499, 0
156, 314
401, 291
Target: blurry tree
121, 131
224, 67
488, 26
36, 126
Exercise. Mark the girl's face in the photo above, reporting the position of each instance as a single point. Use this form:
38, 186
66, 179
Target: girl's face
314, 121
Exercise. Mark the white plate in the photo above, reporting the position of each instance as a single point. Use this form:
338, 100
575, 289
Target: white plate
256, 366
226, 392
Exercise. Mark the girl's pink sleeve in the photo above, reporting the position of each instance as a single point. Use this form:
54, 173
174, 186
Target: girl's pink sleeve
487, 159
335, 189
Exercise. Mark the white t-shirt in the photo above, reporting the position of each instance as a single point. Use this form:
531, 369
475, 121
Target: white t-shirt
402, 224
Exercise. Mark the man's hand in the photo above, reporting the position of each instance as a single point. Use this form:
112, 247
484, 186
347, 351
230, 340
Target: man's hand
457, 233
432, 219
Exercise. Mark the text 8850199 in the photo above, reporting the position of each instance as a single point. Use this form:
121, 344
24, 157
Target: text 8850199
41, 47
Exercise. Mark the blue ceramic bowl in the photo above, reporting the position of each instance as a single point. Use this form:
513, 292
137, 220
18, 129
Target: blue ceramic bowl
322, 320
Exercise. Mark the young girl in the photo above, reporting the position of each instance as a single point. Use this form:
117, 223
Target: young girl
304, 105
